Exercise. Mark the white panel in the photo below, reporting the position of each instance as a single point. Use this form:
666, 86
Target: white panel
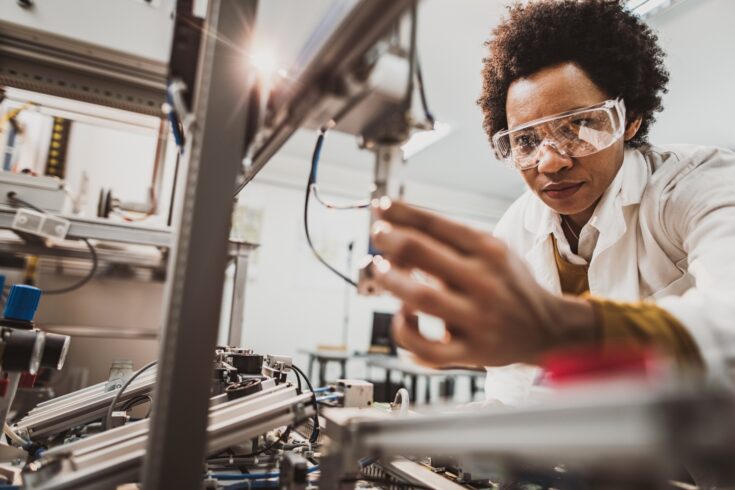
698, 38
131, 26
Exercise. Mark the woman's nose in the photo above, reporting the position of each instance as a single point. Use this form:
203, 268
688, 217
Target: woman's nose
551, 159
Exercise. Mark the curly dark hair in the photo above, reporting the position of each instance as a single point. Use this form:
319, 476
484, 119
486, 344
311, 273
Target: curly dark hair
615, 49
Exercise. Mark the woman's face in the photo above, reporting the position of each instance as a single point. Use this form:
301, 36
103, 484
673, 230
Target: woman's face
569, 185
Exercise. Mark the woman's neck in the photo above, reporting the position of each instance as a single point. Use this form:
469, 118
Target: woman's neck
573, 224
578, 220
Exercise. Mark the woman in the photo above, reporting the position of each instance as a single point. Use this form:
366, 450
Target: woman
615, 241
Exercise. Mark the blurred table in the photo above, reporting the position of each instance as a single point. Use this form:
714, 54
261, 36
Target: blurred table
322, 357
415, 371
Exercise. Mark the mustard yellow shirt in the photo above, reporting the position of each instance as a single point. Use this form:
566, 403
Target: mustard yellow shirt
638, 323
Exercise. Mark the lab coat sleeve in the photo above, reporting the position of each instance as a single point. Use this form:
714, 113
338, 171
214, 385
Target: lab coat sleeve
698, 213
511, 384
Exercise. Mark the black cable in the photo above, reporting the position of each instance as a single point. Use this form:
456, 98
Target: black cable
315, 430
106, 422
85, 279
422, 93
312, 180
415, 68
135, 401
12, 196
174, 184
268, 447
298, 382
412, 50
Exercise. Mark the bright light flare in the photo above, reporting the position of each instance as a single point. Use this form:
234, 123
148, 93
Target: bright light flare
264, 62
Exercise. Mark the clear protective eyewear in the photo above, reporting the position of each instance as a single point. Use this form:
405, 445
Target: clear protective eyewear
576, 133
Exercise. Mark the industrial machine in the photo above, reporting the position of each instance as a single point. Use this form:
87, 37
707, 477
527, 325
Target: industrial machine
225, 416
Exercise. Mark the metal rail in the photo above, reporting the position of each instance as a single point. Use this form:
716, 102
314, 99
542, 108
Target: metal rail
176, 446
364, 26
103, 229
44, 62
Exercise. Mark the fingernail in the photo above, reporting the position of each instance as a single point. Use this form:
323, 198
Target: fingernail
381, 265
381, 227
385, 203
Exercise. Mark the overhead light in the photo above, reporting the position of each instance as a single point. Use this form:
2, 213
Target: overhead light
648, 8
264, 62
423, 139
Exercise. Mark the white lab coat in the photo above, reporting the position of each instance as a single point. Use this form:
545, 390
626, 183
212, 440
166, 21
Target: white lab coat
663, 231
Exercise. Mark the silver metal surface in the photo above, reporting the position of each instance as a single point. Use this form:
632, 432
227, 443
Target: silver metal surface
65, 251
96, 331
120, 434
7, 400
44, 62
240, 251
413, 472
78, 408
194, 292
388, 169
619, 431
114, 457
362, 27
105, 230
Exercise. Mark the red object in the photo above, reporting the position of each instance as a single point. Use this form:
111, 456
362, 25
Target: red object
4, 383
27, 380
589, 364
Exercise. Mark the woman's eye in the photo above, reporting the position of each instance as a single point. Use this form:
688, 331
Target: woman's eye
582, 122
524, 141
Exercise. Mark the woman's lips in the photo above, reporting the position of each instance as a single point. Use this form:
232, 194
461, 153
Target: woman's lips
563, 191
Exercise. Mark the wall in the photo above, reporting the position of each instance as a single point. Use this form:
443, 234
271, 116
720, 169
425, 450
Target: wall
698, 37
292, 300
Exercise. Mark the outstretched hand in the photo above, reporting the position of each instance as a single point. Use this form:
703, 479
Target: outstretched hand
495, 312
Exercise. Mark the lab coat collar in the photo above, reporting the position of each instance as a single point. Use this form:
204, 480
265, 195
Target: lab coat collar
541, 221
626, 189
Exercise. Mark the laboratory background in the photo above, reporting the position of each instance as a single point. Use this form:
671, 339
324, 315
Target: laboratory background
188, 194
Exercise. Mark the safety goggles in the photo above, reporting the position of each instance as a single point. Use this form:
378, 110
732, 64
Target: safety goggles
576, 133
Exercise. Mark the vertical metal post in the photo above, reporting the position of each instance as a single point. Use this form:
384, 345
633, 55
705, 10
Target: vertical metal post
388, 172
241, 252
175, 450
389, 166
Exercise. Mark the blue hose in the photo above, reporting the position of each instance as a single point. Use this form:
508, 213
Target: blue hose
253, 484
328, 398
244, 476
251, 476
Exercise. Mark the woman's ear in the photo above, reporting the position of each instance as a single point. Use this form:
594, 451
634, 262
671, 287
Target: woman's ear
632, 128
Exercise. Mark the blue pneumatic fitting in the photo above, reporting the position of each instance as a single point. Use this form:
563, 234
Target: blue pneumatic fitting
22, 303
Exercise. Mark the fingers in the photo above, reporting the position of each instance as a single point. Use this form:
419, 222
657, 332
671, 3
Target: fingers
438, 301
409, 248
428, 352
460, 237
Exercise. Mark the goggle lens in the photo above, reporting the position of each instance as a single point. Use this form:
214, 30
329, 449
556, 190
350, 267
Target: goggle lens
575, 134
